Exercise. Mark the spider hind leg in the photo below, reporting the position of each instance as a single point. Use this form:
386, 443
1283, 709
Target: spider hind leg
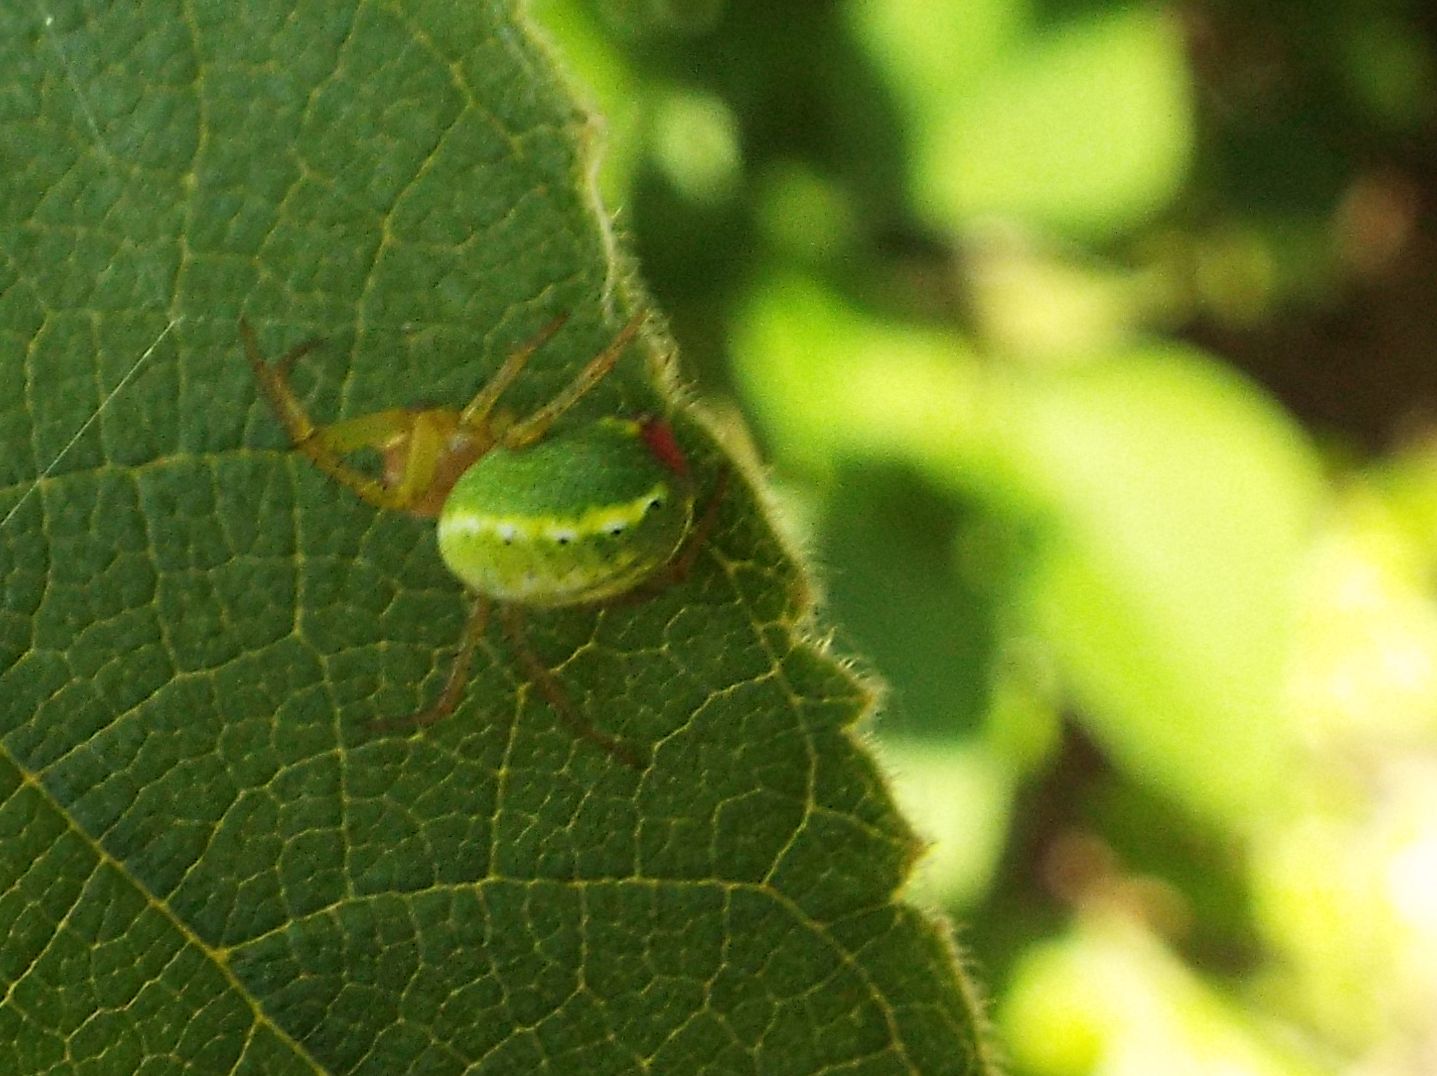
554, 694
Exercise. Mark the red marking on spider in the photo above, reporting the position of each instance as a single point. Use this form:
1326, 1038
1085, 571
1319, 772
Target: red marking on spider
659, 436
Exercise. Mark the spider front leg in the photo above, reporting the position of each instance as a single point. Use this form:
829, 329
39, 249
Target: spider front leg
529, 430
326, 446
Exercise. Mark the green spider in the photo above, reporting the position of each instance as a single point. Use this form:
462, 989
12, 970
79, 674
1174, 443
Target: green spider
589, 514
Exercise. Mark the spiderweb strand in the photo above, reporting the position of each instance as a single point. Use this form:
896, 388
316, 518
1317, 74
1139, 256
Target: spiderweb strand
94, 417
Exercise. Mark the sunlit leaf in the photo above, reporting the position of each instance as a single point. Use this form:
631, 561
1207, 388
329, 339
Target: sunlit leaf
1085, 128
212, 856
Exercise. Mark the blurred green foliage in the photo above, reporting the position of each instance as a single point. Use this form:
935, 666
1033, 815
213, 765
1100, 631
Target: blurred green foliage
1092, 344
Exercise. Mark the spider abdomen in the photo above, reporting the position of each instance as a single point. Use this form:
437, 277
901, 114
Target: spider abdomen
580, 516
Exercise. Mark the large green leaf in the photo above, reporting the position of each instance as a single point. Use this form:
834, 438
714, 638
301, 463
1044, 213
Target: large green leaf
212, 857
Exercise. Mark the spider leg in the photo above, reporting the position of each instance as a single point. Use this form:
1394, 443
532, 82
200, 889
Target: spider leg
374, 430
448, 698
274, 383
458, 677
693, 543
325, 446
528, 430
553, 692
284, 365
476, 414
